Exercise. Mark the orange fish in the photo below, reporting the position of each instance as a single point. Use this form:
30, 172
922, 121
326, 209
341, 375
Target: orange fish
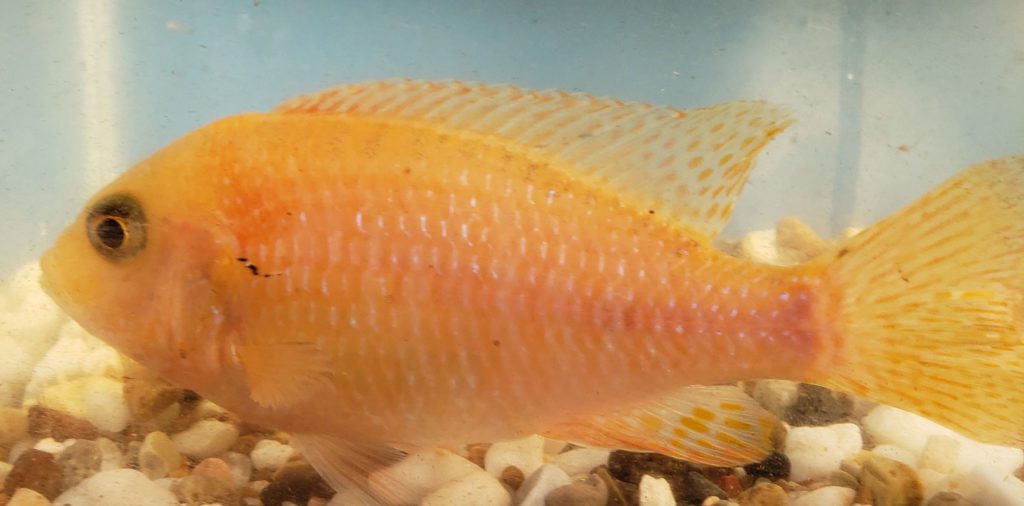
406, 264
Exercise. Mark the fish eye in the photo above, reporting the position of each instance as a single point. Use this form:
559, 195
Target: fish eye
116, 227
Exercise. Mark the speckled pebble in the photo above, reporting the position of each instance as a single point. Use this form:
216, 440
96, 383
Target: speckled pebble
36, 470
537, 486
776, 395
816, 451
591, 491
655, 492
112, 456
45, 422
827, 496
202, 489
118, 487
527, 454
270, 454
28, 497
581, 460
891, 482
818, 406
205, 438
158, 455
774, 467
421, 473
764, 494
478, 487
80, 461
895, 453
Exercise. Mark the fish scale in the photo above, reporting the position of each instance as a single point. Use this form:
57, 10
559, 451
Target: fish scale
402, 263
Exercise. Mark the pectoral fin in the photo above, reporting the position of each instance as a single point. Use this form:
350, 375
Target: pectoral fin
285, 374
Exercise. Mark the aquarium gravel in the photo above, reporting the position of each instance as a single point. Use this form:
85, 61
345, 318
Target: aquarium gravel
81, 425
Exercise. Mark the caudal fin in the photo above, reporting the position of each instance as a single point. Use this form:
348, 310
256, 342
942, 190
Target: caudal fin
928, 306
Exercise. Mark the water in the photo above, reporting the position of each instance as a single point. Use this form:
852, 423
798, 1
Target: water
891, 98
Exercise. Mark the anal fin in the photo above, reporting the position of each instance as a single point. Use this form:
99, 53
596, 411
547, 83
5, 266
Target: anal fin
347, 466
712, 425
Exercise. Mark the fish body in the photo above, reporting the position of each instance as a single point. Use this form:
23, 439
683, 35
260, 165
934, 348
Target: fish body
439, 263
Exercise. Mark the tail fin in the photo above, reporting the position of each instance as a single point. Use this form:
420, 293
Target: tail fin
928, 310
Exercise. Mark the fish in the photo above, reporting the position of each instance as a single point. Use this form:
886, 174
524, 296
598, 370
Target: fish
392, 265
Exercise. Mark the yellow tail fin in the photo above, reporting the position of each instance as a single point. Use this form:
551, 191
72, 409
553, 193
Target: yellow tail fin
928, 306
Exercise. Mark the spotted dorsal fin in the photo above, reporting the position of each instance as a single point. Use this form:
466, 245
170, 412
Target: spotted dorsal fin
689, 165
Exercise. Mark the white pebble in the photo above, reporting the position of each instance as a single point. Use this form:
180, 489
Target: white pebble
554, 446
76, 354
421, 473
527, 454
993, 487
29, 324
20, 447
815, 452
27, 497
895, 453
826, 496
940, 453
158, 455
206, 438
478, 487
760, 246
932, 482
655, 492
241, 467
119, 487
537, 485
51, 446
98, 399
581, 460
270, 454
888, 425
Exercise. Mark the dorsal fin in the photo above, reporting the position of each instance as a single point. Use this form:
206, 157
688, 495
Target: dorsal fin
687, 164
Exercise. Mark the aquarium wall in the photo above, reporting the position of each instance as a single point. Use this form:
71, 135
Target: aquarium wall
890, 97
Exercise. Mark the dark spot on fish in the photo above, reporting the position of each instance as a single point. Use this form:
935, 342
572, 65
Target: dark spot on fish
242, 259
255, 270
407, 170
183, 354
190, 396
903, 276
116, 227
843, 252
650, 211
496, 343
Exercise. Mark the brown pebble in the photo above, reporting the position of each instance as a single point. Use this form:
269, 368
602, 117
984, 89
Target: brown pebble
948, 499
202, 489
246, 442
513, 477
296, 481
730, 484
620, 493
476, 453
890, 482
215, 468
816, 406
80, 461
764, 494
591, 492
36, 470
46, 422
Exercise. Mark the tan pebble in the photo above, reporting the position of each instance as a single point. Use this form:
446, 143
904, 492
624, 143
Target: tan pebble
200, 489
764, 494
317, 501
215, 468
513, 477
36, 470
798, 241
13, 425
46, 422
948, 499
28, 497
891, 483
158, 456
835, 478
147, 395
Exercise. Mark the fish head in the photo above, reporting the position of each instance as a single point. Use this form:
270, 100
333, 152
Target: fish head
138, 266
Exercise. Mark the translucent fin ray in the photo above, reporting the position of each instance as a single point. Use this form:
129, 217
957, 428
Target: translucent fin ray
929, 306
